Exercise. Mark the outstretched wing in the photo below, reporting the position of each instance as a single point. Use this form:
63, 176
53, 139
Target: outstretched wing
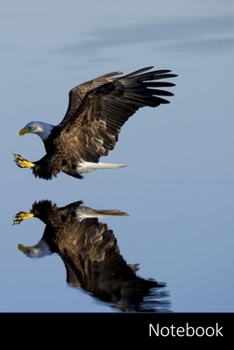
98, 109
77, 94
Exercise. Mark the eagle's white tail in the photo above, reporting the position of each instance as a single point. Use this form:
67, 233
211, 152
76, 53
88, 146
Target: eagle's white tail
86, 212
87, 167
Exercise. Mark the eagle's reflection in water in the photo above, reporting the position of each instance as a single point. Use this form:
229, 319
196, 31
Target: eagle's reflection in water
92, 257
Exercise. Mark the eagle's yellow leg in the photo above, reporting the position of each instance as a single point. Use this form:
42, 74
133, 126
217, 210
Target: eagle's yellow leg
22, 215
22, 162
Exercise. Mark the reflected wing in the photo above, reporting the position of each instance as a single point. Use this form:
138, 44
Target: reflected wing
92, 257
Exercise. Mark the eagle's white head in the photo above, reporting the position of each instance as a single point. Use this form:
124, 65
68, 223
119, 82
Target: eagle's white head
42, 129
37, 251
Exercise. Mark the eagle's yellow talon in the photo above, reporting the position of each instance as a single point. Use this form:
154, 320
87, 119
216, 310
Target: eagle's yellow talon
22, 215
22, 162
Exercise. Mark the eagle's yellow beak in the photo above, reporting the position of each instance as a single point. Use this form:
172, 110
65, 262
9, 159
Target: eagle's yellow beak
26, 250
23, 131
22, 248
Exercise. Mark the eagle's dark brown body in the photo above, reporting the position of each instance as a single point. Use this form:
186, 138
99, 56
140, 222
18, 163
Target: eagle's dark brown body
96, 112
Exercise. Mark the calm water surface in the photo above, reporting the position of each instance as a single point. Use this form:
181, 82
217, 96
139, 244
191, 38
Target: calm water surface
179, 187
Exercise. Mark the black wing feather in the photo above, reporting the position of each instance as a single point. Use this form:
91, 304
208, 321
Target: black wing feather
99, 108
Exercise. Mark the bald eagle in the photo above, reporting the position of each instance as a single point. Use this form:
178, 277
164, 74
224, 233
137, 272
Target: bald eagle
96, 112
91, 255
